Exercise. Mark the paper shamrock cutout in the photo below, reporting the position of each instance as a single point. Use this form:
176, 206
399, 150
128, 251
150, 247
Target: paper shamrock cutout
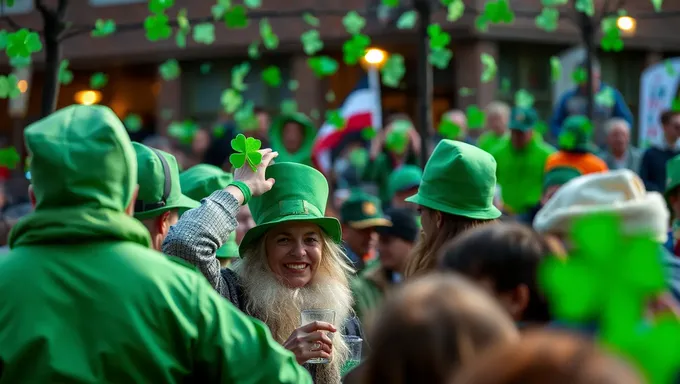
524, 99
238, 76
289, 107
311, 42
272, 76
236, 17
22, 43
133, 122
440, 58
231, 100
9, 158
368, 133
158, 6
245, 117
269, 38
99, 80
605, 97
353, 23
407, 20
183, 131
548, 19
254, 50
579, 76
555, 69
334, 118
157, 27
103, 28
475, 117
657, 5
554, 3
449, 129
246, 151
456, 9
670, 70
8, 87
495, 12
311, 19
253, 3
169, 70
465, 91
204, 33
438, 38
489, 67
396, 140
322, 65
65, 76
675, 105
611, 36
355, 48
358, 158
390, 3
393, 70
586, 6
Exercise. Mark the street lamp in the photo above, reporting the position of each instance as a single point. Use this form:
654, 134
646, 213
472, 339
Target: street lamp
88, 97
375, 57
626, 24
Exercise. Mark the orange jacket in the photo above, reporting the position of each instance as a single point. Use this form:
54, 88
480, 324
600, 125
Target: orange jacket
584, 162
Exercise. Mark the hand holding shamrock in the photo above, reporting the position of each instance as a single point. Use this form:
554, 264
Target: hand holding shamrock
255, 180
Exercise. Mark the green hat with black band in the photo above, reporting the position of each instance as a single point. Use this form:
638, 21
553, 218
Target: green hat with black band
299, 194
361, 211
459, 179
159, 186
559, 176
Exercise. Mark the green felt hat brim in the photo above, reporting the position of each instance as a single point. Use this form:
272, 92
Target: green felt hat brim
183, 202
227, 251
488, 213
330, 225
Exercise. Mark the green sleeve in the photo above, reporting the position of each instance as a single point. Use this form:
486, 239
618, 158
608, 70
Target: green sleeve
234, 348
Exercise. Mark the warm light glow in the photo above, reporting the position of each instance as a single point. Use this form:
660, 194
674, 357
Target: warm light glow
626, 23
88, 97
22, 85
375, 56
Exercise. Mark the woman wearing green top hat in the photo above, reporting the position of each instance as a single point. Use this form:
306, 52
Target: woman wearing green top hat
290, 261
456, 194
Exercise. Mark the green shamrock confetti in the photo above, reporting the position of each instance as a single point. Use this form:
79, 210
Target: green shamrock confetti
449, 129
579, 76
465, 91
368, 133
456, 9
269, 38
289, 107
322, 66
157, 27
204, 33
393, 70
272, 76
205, 68
238, 76
506, 85
605, 97
103, 28
183, 131
99, 80
20, 62
555, 69
253, 3
330, 96
586, 6
236, 17
438, 38
580, 287
218, 11
355, 48
353, 22
169, 70
489, 67
254, 50
497, 12
293, 84
65, 76
159, 6
8, 87
358, 157
390, 3
181, 39
407, 20
611, 36
554, 3
183, 21
9, 158
311, 19
670, 70
657, 5
524, 99
218, 131
311, 42
548, 19
675, 105
334, 118
246, 150
396, 140
475, 117
245, 117
440, 58
133, 122
231, 100
4, 35
22, 43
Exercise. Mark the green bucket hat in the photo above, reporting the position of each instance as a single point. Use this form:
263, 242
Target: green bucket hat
672, 174
230, 249
158, 179
459, 179
404, 178
559, 176
201, 180
576, 134
523, 119
362, 210
300, 193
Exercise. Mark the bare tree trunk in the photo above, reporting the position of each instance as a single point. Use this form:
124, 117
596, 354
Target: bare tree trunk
50, 91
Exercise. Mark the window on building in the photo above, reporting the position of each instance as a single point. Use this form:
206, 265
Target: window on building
19, 6
100, 3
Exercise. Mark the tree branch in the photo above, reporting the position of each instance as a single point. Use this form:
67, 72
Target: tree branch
40, 6
12, 24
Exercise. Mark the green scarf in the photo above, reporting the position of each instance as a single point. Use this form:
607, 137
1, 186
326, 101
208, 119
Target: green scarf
77, 225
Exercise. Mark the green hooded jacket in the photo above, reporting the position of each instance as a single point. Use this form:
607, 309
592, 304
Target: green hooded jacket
304, 154
520, 173
85, 298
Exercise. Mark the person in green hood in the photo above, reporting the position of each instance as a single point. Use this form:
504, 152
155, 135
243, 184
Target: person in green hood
90, 301
160, 196
292, 136
521, 161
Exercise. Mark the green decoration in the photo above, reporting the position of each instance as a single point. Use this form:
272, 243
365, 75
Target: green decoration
355, 48
205, 68
289, 107
449, 129
397, 139
322, 66
497, 12
579, 76
169, 70
246, 150
311, 42
586, 6
311, 19
440, 58
238, 76
65, 76
22, 43
393, 70
456, 9
675, 105
157, 27
390, 3
159, 6
548, 19
407, 20
524, 99
657, 5
254, 50
368, 133
9, 158
20, 62
438, 38
4, 36
272, 76
475, 117
334, 118
670, 70
245, 117
555, 69
269, 38
293, 85
253, 3
554, 3
353, 23
465, 91
8, 87
489, 67
103, 28
183, 131
611, 36
358, 157
236, 17
231, 100
133, 122
181, 39
605, 97
99, 80
204, 33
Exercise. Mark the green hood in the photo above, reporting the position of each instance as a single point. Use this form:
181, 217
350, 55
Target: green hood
304, 154
84, 174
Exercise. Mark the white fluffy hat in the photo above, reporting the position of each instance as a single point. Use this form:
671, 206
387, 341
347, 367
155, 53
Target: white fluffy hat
619, 192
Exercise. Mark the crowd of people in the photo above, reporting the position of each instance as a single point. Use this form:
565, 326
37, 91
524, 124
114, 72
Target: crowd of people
138, 264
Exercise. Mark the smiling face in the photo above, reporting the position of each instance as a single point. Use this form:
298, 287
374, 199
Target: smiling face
294, 252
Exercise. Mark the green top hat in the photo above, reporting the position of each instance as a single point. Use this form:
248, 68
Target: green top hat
158, 179
300, 193
672, 174
576, 134
362, 210
201, 180
559, 176
523, 119
403, 178
459, 179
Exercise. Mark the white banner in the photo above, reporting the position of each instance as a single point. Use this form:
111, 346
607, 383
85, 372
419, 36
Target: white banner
658, 89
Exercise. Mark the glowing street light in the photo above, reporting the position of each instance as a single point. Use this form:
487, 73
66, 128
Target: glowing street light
88, 97
626, 24
375, 56
22, 85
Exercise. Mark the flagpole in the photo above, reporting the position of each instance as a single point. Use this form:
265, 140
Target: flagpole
424, 9
374, 84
